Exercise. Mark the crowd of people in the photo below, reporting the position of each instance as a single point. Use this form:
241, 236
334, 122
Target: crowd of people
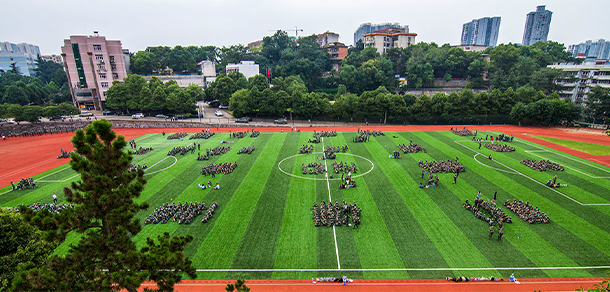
39, 129
254, 134
325, 134
217, 150
306, 149
182, 150
24, 183
347, 182
527, 212
331, 150
542, 165
505, 138
313, 168
442, 166
246, 150
500, 147
202, 135
476, 279
411, 148
177, 136
314, 140
463, 132
335, 215
180, 213
142, 150
238, 135
53, 208
217, 168
135, 167
552, 183
64, 154
344, 167
488, 212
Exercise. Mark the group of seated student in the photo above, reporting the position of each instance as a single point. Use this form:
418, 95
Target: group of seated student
467, 279
361, 137
218, 168
254, 134
203, 135
411, 148
314, 140
180, 213
337, 148
142, 150
64, 154
217, 150
442, 166
335, 215
24, 183
527, 212
505, 138
202, 157
306, 149
500, 147
182, 150
177, 136
395, 154
464, 132
488, 212
373, 133
135, 167
344, 167
208, 185
347, 183
246, 150
208, 215
542, 165
552, 183
325, 134
313, 168
238, 135
53, 208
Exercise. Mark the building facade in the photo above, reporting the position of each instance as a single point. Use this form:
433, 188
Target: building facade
336, 50
582, 77
537, 26
481, 32
23, 55
370, 28
248, 68
599, 49
392, 37
92, 63
53, 58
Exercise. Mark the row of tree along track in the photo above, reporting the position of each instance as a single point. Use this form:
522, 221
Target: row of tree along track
27, 156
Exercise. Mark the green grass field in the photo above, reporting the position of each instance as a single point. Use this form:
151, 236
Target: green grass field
263, 227
593, 149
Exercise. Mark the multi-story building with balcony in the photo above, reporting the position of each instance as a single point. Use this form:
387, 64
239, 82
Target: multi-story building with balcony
582, 77
92, 63
336, 49
388, 38
23, 55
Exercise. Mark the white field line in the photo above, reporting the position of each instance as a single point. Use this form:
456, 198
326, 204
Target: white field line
65, 180
175, 160
330, 202
534, 180
52, 173
313, 178
403, 269
574, 169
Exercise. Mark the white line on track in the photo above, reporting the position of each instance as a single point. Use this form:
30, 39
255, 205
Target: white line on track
533, 179
330, 202
403, 269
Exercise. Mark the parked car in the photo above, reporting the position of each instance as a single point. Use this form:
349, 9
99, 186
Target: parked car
223, 106
280, 121
85, 114
160, 116
248, 118
242, 120
137, 116
218, 113
179, 117
109, 113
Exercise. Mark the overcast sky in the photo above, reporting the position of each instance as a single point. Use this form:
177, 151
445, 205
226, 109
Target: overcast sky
143, 23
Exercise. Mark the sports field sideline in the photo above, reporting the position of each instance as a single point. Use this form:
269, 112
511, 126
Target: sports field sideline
263, 226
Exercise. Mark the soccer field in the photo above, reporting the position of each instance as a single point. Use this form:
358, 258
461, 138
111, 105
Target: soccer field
263, 227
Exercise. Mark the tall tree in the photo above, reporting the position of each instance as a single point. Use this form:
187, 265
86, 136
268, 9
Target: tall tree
104, 212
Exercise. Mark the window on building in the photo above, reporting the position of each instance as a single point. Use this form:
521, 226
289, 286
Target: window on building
104, 93
115, 76
102, 75
99, 57
101, 67
113, 66
111, 59
97, 47
104, 84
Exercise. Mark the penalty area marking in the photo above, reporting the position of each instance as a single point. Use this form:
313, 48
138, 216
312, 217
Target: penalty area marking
404, 269
574, 169
533, 179
175, 160
313, 178
498, 169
